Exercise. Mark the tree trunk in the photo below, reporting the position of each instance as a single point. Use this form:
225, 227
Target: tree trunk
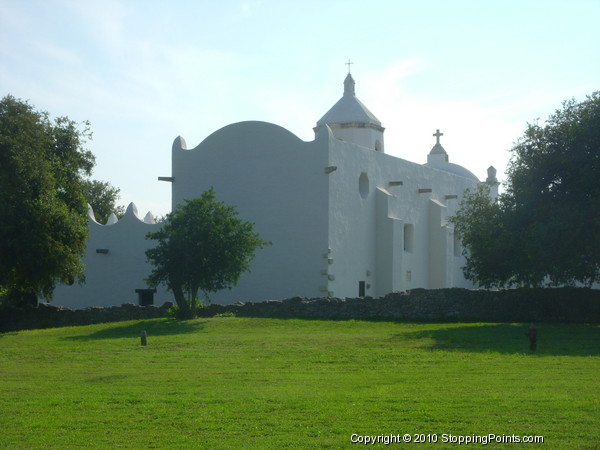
194, 299
185, 312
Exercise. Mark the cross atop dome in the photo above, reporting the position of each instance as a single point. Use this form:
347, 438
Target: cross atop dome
348, 64
351, 121
437, 148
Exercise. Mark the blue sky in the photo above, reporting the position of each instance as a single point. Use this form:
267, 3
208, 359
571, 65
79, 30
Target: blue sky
144, 72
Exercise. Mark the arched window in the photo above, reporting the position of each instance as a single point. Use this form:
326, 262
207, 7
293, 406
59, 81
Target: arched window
363, 185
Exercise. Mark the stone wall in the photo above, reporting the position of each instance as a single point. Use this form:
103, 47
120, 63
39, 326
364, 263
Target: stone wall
566, 305
459, 305
48, 316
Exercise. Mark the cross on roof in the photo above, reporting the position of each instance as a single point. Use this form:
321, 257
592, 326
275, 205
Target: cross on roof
348, 64
437, 135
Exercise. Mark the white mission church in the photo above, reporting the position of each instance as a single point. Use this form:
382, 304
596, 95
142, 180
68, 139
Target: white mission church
345, 219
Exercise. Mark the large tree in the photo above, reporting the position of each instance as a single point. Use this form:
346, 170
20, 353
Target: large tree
203, 245
545, 228
45, 185
43, 211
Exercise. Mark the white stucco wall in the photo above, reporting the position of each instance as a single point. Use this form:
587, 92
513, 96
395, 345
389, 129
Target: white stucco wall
334, 211
364, 243
276, 181
389, 246
112, 278
361, 134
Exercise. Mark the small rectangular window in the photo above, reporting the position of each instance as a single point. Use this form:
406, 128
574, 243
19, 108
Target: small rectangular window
362, 288
408, 237
457, 246
145, 296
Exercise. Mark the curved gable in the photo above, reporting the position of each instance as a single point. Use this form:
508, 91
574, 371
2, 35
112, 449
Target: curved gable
249, 135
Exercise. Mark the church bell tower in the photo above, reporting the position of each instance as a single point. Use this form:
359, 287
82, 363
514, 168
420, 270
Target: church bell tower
351, 121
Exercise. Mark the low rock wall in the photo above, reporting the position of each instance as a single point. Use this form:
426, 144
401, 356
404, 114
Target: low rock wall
458, 305
566, 305
46, 315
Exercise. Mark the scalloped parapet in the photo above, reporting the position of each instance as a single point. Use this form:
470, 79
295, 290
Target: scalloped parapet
179, 144
112, 219
324, 133
149, 218
90, 213
132, 211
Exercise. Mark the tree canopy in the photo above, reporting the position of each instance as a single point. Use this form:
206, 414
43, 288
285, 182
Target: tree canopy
545, 228
102, 197
203, 245
44, 172
43, 227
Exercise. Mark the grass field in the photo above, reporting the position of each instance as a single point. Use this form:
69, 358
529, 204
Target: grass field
265, 383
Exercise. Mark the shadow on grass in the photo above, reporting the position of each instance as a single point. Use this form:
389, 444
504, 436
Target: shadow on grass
152, 327
552, 339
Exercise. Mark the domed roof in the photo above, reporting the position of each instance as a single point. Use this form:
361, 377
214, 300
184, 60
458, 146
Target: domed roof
349, 109
452, 168
438, 159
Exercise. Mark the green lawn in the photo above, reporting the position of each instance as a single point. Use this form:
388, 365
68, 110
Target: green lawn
265, 383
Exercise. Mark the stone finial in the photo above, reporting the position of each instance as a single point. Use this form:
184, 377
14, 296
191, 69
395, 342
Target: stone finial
491, 175
349, 86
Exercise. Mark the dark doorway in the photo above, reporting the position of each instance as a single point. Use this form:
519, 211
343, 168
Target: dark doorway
361, 288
